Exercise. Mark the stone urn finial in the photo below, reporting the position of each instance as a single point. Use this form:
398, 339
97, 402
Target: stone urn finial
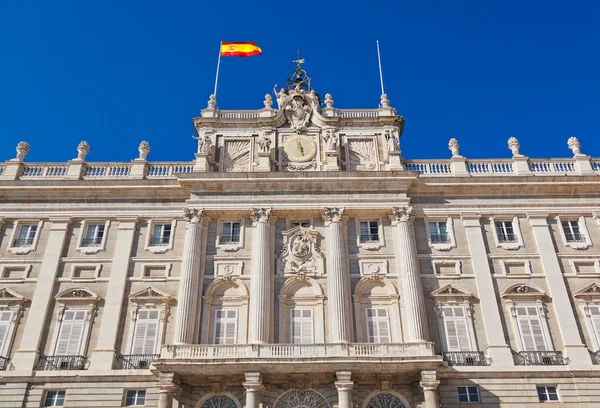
514, 146
328, 101
453, 146
22, 151
212, 102
82, 150
144, 149
575, 146
268, 101
385, 102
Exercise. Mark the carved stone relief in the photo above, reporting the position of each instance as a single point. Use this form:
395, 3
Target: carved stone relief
301, 255
362, 154
236, 155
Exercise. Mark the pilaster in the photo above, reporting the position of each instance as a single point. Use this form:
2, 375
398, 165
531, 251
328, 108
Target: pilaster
574, 348
104, 354
261, 280
498, 350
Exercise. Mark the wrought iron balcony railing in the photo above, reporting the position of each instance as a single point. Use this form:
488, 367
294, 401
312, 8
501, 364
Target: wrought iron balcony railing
135, 361
230, 239
574, 237
60, 363
91, 242
3, 363
507, 239
369, 238
465, 358
530, 358
160, 241
440, 239
21, 243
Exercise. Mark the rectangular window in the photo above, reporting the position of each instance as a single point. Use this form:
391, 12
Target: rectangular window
225, 326
303, 224
301, 326
378, 325
439, 232
93, 235
70, 336
146, 332
5, 318
468, 394
594, 311
161, 235
54, 399
572, 231
530, 328
369, 231
456, 328
506, 232
26, 236
135, 397
231, 233
547, 393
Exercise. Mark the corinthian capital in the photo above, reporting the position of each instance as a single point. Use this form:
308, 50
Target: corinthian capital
402, 213
261, 214
192, 215
334, 213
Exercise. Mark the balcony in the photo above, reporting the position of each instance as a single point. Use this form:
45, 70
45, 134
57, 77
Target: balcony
537, 358
204, 359
135, 361
465, 358
91, 242
160, 241
3, 363
22, 243
61, 363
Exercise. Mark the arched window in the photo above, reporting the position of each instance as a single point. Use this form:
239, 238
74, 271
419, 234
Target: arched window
386, 401
301, 399
301, 312
225, 312
376, 307
220, 401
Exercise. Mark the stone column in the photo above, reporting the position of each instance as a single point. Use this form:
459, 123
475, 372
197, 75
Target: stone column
498, 350
338, 278
104, 354
42, 300
413, 302
254, 387
344, 387
189, 284
574, 347
261, 295
429, 384
168, 386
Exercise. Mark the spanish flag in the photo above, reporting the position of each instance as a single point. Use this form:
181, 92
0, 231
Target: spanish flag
239, 49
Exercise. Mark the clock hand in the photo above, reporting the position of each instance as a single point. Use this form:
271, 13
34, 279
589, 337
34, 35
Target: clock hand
299, 146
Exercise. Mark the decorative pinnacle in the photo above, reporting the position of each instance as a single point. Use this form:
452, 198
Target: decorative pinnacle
453, 146
514, 146
22, 151
144, 149
575, 146
82, 150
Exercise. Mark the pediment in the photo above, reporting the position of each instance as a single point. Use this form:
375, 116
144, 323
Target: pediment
77, 295
150, 294
451, 291
523, 290
591, 291
9, 296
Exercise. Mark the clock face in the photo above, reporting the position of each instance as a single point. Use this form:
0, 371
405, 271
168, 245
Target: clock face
300, 148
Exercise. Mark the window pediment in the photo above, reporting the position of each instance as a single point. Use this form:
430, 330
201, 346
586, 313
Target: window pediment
77, 295
524, 291
450, 293
589, 292
150, 294
8, 297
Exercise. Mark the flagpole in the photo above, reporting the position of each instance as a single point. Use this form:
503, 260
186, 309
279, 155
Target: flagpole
218, 66
380, 72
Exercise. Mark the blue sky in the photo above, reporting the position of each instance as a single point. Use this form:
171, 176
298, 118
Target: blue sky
115, 73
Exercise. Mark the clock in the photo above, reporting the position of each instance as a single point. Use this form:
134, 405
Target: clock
300, 148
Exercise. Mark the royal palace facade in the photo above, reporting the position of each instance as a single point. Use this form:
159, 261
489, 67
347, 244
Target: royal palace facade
300, 262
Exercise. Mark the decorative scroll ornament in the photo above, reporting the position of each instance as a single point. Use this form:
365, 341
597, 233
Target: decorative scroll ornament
301, 255
402, 213
334, 213
261, 214
301, 399
298, 112
301, 166
192, 215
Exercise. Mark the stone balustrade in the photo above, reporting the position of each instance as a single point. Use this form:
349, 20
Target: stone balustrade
297, 351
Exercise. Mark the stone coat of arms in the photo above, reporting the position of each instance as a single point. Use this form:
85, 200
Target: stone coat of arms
300, 254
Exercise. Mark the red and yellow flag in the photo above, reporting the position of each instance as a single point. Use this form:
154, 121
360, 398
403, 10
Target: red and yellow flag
239, 49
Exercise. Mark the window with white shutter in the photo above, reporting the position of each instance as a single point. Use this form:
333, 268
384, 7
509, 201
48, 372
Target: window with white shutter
5, 320
378, 325
146, 332
594, 311
456, 328
225, 331
70, 336
301, 326
530, 328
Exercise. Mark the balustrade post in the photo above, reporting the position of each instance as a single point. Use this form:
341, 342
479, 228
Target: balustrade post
261, 283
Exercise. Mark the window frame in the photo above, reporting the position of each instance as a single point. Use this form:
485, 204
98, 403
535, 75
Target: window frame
232, 246
168, 266
16, 231
97, 269
454, 296
11, 301
387, 321
291, 323
449, 230
582, 224
149, 298
370, 245
468, 389
215, 321
64, 397
547, 394
516, 226
126, 397
92, 250
5, 267
159, 249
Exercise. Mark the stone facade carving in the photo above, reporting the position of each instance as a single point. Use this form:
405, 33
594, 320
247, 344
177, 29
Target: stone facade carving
192, 215
514, 146
268, 102
236, 155
334, 214
574, 145
82, 150
301, 255
261, 214
22, 151
331, 139
393, 144
363, 154
298, 112
453, 146
144, 150
264, 143
301, 399
328, 100
402, 213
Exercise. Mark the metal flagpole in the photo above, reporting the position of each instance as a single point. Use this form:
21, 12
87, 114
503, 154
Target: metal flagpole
218, 66
380, 72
